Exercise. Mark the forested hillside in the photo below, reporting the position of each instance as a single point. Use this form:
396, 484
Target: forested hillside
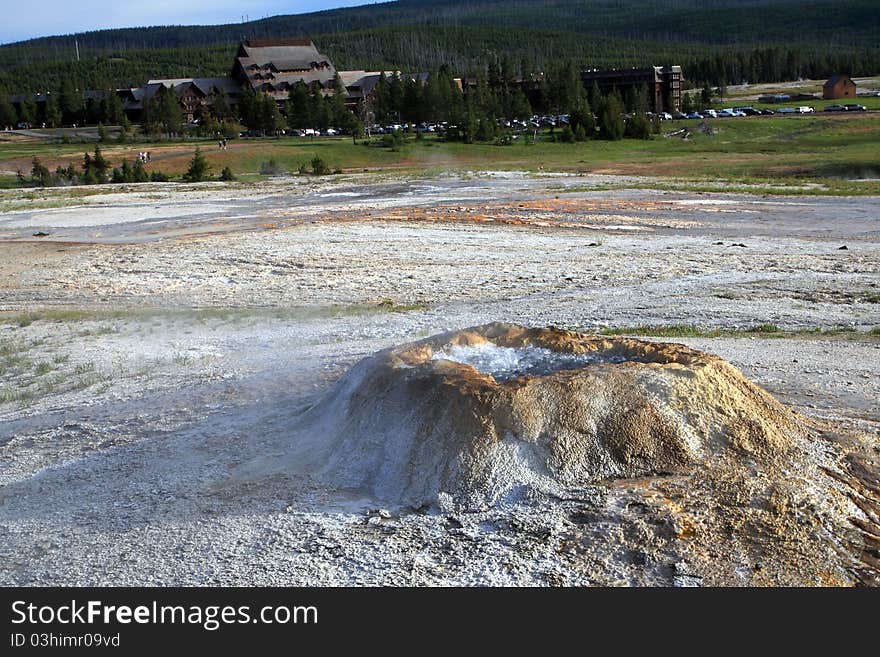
716, 41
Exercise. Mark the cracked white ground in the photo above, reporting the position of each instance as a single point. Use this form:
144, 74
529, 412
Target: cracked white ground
205, 320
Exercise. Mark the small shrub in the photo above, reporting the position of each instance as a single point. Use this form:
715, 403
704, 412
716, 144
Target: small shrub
393, 141
271, 167
40, 174
139, 173
319, 167
226, 175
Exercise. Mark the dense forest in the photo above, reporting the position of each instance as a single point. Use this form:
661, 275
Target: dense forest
716, 41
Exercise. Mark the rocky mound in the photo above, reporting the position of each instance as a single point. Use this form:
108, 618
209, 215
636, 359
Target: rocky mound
484, 413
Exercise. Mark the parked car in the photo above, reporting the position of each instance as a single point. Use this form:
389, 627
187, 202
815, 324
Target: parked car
748, 111
835, 108
678, 116
855, 107
710, 112
665, 116
726, 114
767, 112
694, 115
786, 110
804, 109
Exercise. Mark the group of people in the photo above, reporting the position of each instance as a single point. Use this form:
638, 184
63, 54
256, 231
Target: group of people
222, 144
144, 157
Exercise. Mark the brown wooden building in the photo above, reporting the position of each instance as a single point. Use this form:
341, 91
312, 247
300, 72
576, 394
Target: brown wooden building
274, 66
839, 86
662, 82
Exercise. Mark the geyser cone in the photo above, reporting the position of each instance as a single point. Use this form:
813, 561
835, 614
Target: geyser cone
483, 413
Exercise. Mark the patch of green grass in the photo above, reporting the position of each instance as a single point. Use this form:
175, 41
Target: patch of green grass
209, 314
673, 331
44, 367
390, 306
760, 330
183, 358
61, 315
11, 348
764, 328
10, 395
84, 368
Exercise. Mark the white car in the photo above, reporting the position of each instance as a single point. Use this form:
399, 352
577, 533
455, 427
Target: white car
804, 110
665, 116
710, 112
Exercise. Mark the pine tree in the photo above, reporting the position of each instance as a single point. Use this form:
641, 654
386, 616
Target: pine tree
248, 107
40, 174
53, 112
164, 113
396, 97
139, 173
611, 124
27, 110
581, 120
99, 165
519, 107
125, 171
319, 109
199, 169
413, 102
341, 116
111, 108
485, 129
687, 105
219, 104
71, 103
299, 114
469, 130
705, 97
381, 101
7, 111
270, 117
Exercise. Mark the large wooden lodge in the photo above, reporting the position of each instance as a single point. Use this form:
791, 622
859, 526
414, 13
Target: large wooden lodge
275, 66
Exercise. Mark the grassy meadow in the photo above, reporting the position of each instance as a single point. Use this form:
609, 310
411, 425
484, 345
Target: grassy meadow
820, 153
